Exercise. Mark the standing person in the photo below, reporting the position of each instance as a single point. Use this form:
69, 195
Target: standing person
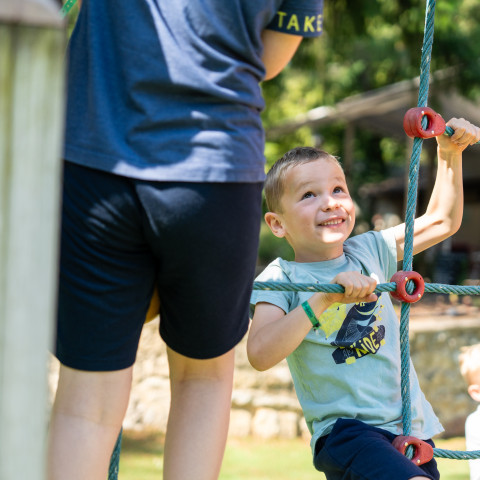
469, 360
162, 190
346, 369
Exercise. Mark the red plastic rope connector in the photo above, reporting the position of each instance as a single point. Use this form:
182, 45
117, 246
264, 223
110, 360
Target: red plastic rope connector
401, 278
423, 450
412, 123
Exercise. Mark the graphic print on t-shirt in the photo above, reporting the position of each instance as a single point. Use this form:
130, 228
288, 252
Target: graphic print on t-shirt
356, 336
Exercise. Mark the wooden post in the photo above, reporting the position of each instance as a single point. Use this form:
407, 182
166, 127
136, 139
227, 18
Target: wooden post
32, 50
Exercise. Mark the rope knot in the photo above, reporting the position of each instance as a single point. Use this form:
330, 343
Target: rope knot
412, 123
423, 451
401, 279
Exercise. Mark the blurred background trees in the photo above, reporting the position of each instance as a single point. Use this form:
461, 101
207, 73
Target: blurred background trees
367, 44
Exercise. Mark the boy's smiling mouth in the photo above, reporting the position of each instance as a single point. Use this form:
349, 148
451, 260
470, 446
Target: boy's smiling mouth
334, 222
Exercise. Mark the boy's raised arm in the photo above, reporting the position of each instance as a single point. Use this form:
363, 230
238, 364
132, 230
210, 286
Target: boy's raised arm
443, 216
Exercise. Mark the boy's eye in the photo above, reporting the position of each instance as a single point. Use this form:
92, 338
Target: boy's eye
337, 190
308, 195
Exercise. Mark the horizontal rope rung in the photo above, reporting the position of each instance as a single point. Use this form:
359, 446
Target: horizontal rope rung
381, 287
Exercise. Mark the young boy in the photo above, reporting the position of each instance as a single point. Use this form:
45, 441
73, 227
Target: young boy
347, 372
469, 360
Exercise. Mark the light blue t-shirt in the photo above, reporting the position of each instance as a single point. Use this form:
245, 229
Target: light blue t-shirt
168, 90
351, 368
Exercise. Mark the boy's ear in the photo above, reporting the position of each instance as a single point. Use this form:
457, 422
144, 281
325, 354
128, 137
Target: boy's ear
474, 391
274, 221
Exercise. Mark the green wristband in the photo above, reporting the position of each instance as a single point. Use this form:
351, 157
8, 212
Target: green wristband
311, 316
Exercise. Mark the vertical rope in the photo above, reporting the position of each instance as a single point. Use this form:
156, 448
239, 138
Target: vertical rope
115, 459
67, 6
410, 213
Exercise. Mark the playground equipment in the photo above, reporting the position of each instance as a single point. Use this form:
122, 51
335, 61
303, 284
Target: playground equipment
408, 286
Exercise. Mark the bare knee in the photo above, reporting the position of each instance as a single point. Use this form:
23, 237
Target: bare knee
184, 369
99, 397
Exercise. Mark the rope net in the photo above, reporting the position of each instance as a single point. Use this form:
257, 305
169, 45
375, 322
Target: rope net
408, 255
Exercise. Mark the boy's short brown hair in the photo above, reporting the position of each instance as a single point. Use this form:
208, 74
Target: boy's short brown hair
469, 360
275, 181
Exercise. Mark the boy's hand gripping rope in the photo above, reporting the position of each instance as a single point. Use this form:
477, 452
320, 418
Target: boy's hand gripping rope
414, 119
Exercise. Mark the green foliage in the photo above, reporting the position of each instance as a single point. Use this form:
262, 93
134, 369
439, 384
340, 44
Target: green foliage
272, 247
370, 45
366, 45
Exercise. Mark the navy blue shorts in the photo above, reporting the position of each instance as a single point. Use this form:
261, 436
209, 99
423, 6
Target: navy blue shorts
121, 237
356, 451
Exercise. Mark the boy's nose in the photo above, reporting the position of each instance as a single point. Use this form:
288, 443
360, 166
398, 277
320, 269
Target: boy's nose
330, 203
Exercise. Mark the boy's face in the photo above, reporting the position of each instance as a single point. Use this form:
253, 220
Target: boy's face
318, 214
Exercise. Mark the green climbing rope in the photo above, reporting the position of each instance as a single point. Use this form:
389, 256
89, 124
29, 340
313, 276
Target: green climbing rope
115, 459
409, 222
67, 6
381, 287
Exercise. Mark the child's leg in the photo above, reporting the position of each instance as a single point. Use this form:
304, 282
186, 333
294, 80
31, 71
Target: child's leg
86, 419
356, 451
199, 416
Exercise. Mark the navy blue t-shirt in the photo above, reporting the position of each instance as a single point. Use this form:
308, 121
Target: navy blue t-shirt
168, 90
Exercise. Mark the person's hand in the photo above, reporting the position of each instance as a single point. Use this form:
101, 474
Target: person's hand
358, 288
465, 134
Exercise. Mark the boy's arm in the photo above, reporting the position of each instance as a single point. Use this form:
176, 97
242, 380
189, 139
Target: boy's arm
274, 334
443, 216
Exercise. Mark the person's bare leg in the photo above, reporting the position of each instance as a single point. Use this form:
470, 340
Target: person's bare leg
199, 416
86, 420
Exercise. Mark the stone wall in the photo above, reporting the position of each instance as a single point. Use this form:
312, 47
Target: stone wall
435, 345
264, 403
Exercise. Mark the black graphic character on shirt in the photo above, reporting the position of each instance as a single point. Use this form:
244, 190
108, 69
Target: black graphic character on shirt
357, 337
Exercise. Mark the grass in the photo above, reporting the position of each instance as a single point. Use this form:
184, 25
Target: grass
255, 459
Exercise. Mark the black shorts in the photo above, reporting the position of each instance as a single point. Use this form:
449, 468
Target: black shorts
357, 451
121, 237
